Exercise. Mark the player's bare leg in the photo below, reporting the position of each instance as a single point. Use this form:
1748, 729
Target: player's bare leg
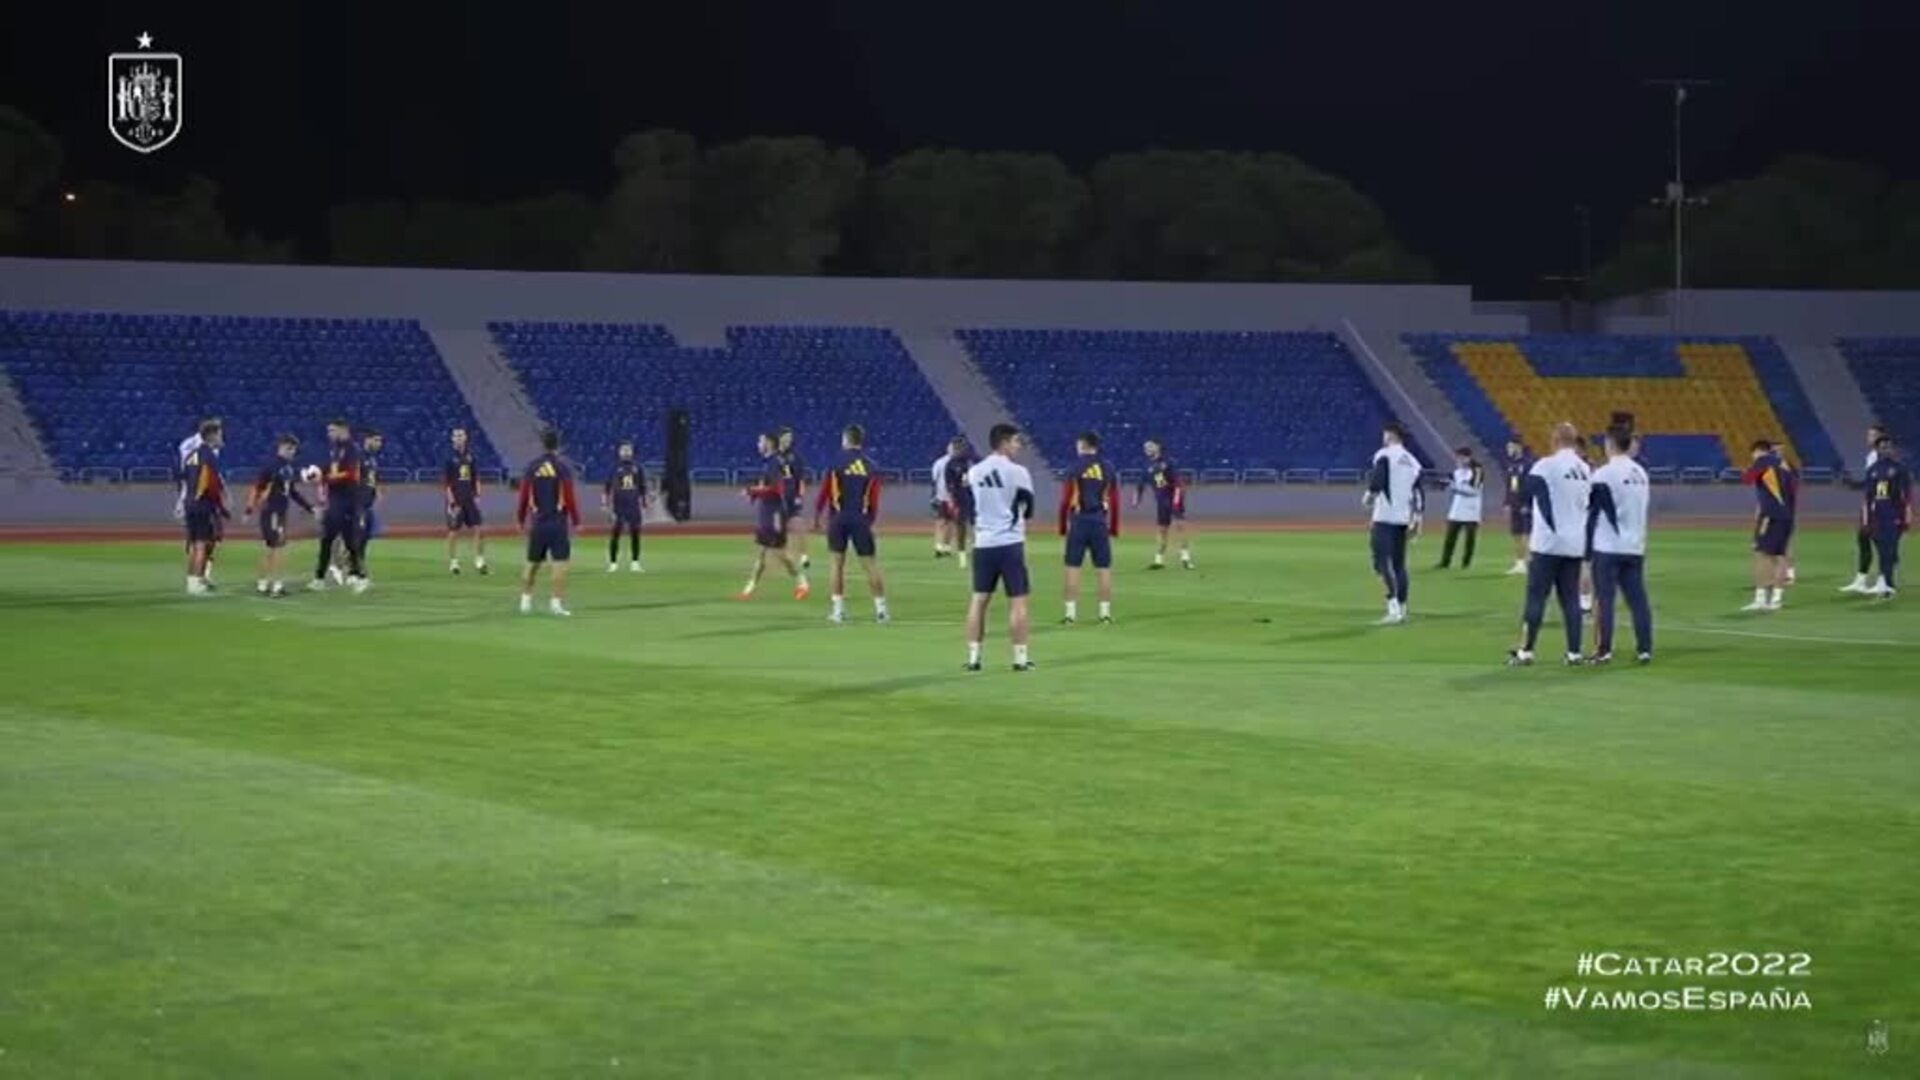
839, 587
1160, 548
453, 549
1104, 582
960, 531
557, 586
1766, 582
877, 585
796, 551
527, 575
196, 569
1071, 595
1020, 629
1186, 543
942, 537
1586, 588
976, 627
753, 575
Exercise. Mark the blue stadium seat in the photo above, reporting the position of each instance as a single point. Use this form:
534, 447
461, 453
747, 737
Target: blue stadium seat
120, 391
1219, 399
602, 383
1888, 371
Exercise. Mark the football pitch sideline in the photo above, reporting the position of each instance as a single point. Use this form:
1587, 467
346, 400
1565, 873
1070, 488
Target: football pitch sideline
1242, 832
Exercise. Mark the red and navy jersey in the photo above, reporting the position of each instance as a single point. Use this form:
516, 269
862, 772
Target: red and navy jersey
793, 476
1091, 489
1163, 478
201, 471
1889, 494
461, 478
546, 492
957, 467
1775, 487
851, 489
274, 486
626, 487
342, 478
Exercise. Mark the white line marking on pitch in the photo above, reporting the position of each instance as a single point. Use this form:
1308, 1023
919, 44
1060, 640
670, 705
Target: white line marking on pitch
1795, 637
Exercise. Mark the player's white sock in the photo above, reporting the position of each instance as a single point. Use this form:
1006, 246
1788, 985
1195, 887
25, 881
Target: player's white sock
963, 560
1073, 609
1186, 556
479, 562
633, 566
526, 602
1759, 596
880, 606
206, 576
554, 605
1106, 609
1776, 597
839, 607
800, 581
1020, 654
1793, 574
750, 586
973, 652
260, 585
453, 564
1159, 558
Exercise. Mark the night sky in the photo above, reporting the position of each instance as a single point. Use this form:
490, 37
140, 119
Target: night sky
1477, 127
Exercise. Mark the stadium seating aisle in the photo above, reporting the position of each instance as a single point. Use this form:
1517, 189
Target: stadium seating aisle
1233, 400
1700, 401
117, 391
1888, 371
602, 382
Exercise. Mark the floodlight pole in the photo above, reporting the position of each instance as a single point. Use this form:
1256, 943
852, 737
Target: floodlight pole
1677, 193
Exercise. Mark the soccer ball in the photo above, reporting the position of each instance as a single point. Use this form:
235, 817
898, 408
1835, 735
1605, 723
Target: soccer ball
311, 474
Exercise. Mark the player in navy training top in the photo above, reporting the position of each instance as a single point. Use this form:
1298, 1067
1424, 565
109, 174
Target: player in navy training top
367, 495
1089, 519
850, 492
1776, 490
769, 497
206, 503
960, 458
340, 523
460, 476
1519, 502
273, 490
1169, 502
549, 510
1863, 571
793, 489
625, 500
1889, 511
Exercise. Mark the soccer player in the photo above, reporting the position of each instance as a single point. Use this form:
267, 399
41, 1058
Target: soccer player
1519, 503
1169, 503
1002, 504
851, 490
273, 489
340, 523
461, 478
625, 499
1889, 511
368, 494
1863, 569
1467, 487
960, 505
1560, 489
206, 504
1617, 525
1776, 489
187, 446
793, 484
942, 521
1089, 519
1390, 493
548, 511
769, 497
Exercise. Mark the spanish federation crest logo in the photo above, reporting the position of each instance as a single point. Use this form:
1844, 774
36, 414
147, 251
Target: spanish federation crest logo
144, 102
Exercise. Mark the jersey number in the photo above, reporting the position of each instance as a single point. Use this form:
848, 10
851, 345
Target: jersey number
992, 480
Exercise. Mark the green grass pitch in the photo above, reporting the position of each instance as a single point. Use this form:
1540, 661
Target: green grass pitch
1244, 832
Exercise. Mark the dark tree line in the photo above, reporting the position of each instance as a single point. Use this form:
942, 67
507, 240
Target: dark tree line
800, 206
